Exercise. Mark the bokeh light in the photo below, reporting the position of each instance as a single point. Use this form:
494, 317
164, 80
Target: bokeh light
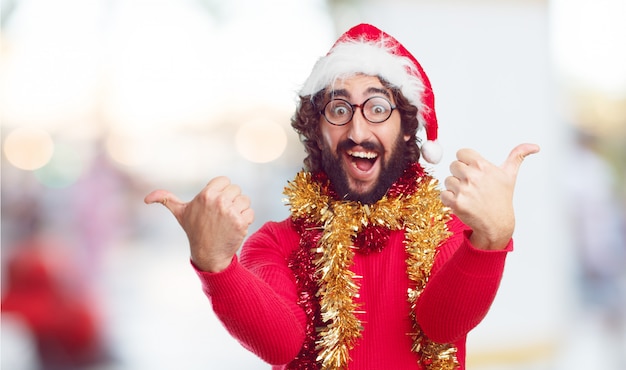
128, 150
261, 140
64, 168
28, 148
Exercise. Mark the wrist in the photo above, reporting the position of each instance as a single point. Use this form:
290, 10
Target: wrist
484, 242
211, 265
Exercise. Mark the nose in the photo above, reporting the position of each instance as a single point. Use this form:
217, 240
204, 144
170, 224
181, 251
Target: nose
358, 127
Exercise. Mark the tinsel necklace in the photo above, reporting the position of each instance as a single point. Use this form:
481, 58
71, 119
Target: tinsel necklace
331, 231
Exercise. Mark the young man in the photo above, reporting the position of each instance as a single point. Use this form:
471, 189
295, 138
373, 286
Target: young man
376, 268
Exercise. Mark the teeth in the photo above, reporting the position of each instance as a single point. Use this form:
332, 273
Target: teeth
366, 155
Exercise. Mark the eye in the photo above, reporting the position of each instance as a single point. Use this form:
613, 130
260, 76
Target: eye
338, 109
377, 107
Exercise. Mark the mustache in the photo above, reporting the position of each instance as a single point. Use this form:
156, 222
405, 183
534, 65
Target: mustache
348, 144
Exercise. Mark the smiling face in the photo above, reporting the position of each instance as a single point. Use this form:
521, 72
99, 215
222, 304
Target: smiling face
362, 159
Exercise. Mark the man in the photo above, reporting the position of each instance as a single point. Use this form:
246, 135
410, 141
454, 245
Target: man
372, 270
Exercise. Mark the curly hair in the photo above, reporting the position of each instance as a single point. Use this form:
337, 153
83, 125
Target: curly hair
305, 122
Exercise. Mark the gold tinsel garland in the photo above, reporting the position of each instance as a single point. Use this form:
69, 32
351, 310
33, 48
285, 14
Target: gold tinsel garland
419, 213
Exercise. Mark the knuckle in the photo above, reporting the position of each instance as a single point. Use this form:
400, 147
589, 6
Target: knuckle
207, 196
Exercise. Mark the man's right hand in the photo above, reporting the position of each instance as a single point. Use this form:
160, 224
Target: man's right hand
216, 221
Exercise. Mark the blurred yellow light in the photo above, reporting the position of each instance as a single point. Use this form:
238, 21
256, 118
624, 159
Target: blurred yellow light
261, 141
28, 148
128, 150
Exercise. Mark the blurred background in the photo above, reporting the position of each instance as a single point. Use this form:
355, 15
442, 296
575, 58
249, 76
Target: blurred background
103, 101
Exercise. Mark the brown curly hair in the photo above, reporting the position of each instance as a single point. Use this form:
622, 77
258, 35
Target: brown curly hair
305, 122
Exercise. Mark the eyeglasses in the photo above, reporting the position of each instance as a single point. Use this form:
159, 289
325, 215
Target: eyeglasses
376, 109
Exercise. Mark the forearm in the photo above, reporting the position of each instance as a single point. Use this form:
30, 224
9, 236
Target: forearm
460, 293
254, 313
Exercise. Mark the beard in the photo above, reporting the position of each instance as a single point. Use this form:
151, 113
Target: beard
391, 169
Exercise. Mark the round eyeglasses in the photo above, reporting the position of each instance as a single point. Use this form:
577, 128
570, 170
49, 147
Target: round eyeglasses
376, 109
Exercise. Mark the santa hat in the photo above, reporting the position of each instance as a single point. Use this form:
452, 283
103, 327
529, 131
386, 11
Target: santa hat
368, 50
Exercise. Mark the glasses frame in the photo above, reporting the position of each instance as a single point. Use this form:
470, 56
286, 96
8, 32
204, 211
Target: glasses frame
353, 109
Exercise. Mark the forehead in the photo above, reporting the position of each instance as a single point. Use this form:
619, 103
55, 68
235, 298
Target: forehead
358, 86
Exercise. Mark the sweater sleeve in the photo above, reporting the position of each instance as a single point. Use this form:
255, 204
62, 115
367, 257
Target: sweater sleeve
462, 286
255, 297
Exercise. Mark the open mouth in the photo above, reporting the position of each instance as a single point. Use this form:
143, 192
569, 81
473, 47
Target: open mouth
362, 160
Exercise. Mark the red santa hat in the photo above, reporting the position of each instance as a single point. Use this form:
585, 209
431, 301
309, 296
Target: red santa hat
368, 50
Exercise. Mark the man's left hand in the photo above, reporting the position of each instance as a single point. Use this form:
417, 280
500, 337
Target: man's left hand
481, 194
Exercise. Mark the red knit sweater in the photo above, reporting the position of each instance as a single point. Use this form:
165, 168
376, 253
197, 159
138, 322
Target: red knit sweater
255, 297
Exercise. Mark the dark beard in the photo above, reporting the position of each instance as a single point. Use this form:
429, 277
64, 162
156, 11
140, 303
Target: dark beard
391, 170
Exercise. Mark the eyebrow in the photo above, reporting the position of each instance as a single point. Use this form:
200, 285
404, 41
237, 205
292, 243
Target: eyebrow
343, 93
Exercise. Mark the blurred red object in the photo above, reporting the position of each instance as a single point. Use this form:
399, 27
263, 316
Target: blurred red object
44, 290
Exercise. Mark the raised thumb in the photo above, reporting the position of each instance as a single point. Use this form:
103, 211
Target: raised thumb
167, 199
512, 164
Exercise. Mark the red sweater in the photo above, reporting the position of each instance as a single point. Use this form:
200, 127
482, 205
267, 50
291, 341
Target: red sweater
255, 297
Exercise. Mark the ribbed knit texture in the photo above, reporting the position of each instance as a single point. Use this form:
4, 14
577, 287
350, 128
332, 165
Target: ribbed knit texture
255, 297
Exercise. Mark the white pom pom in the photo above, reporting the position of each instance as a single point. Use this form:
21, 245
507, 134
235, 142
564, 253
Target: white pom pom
432, 152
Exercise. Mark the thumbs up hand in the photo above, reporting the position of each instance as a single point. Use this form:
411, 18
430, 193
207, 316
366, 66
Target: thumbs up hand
216, 221
481, 194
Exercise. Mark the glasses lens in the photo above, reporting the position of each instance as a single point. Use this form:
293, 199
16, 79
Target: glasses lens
377, 109
338, 112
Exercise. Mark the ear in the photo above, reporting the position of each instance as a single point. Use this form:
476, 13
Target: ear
407, 137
